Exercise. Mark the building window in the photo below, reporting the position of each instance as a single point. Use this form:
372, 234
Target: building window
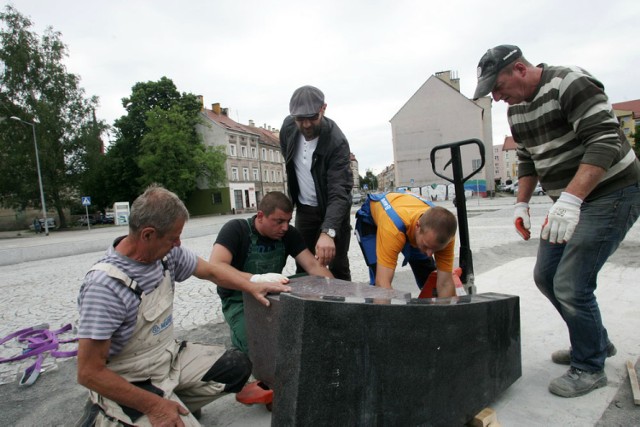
243, 150
254, 153
237, 196
265, 176
245, 174
234, 174
264, 154
475, 163
232, 149
273, 176
279, 176
256, 174
271, 155
278, 157
216, 198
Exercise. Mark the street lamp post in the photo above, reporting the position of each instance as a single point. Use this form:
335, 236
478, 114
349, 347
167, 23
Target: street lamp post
35, 144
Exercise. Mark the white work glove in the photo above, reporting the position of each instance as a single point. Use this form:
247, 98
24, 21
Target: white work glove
269, 277
562, 219
522, 220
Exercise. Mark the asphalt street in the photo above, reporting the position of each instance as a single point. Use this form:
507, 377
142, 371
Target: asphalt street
40, 277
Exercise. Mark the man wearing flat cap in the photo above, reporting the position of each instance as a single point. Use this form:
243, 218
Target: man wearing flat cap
569, 139
317, 157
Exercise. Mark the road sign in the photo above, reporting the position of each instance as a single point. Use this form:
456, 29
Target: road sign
86, 200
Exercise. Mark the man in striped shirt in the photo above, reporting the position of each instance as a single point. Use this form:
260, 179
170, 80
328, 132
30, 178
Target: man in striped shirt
569, 140
137, 373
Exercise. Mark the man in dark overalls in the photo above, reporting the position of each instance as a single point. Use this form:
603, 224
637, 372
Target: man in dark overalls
257, 249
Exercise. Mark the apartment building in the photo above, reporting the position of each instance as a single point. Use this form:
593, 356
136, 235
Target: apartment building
254, 165
628, 113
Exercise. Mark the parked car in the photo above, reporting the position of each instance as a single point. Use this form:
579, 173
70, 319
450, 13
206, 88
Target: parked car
538, 191
356, 198
51, 224
509, 188
84, 219
107, 218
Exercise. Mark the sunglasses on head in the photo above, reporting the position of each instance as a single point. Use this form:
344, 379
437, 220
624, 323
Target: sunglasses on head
311, 119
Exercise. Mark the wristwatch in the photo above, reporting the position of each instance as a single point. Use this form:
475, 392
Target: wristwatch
329, 232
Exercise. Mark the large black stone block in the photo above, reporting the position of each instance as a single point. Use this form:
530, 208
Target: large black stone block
338, 353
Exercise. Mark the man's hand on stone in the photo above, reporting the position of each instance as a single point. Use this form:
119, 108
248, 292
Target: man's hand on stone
260, 290
268, 283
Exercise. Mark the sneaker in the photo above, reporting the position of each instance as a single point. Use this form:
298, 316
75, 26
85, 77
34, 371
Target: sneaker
563, 357
576, 382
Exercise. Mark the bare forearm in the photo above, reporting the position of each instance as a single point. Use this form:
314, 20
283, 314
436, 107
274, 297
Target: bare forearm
229, 277
112, 386
222, 274
93, 374
526, 185
384, 276
585, 180
445, 285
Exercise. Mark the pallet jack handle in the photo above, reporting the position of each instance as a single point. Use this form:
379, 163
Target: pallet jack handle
465, 258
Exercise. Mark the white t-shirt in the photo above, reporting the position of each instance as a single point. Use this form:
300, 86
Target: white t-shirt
302, 162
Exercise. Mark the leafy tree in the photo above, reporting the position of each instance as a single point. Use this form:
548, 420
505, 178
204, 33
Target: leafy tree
157, 142
370, 180
172, 153
636, 136
36, 87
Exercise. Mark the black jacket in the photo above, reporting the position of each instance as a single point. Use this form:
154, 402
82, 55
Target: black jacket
330, 168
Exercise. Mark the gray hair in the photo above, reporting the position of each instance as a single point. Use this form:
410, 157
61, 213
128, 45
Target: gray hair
157, 207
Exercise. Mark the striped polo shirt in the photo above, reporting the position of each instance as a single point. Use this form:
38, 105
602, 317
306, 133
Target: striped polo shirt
108, 309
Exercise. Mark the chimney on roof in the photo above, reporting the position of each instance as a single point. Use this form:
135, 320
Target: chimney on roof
225, 112
251, 123
449, 77
215, 108
201, 99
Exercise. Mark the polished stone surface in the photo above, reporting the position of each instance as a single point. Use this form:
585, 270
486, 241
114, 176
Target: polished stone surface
338, 353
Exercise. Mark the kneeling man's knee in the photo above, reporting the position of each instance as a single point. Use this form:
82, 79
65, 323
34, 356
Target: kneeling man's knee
233, 368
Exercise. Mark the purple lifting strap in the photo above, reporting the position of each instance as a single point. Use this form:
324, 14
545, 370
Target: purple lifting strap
39, 339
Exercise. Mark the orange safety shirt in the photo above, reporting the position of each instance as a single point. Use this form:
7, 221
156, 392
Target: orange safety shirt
390, 241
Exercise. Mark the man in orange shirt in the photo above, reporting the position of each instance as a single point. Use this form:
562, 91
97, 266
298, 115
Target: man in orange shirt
394, 223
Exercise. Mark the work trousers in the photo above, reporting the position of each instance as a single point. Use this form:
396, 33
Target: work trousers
309, 222
567, 273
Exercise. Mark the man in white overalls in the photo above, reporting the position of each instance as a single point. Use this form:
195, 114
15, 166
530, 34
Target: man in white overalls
137, 373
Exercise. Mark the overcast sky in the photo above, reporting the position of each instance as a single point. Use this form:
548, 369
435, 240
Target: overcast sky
368, 56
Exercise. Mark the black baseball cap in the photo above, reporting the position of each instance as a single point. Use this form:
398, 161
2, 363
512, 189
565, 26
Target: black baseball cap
306, 101
491, 64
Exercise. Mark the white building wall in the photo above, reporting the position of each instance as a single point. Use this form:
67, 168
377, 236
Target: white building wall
438, 114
